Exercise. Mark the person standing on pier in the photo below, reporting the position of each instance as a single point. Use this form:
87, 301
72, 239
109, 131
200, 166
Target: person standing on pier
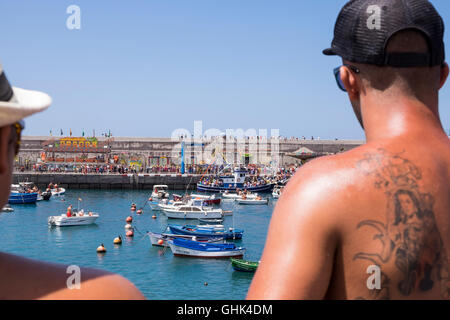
26, 279
372, 223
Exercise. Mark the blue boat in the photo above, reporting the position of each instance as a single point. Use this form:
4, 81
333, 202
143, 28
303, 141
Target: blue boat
206, 231
233, 182
183, 247
22, 198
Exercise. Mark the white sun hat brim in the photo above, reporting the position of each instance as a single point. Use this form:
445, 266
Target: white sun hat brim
24, 103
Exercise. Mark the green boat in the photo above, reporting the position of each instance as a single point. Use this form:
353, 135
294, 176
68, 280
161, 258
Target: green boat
244, 265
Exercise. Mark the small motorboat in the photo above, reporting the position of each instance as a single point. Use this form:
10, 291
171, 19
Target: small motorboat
206, 231
7, 208
244, 265
161, 239
44, 196
188, 248
78, 218
160, 191
276, 193
58, 191
237, 196
194, 209
253, 201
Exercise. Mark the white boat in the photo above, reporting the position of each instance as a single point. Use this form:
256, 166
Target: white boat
253, 201
160, 191
161, 239
276, 193
58, 191
191, 210
80, 218
7, 208
235, 196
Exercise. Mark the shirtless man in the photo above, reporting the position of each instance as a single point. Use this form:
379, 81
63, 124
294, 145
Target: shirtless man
373, 222
22, 278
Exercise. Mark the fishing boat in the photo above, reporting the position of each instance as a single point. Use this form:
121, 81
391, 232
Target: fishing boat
244, 265
19, 197
234, 182
193, 209
23, 193
206, 231
188, 248
161, 239
160, 191
253, 201
78, 218
7, 208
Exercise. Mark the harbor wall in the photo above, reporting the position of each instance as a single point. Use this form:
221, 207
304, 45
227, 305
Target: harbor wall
109, 181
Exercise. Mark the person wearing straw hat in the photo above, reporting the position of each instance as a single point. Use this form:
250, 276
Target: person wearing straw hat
22, 278
373, 222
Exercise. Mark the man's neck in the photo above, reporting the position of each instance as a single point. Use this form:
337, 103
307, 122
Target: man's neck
393, 118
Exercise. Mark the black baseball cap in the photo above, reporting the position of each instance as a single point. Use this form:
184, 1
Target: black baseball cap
364, 27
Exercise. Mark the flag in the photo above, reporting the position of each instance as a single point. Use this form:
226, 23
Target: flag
62, 132
70, 132
50, 132
83, 132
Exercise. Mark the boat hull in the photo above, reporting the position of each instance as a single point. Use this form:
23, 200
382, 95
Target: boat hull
62, 221
23, 198
155, 239
263, 188
176, 214
185, 251
203, 232
253, 202
243, 265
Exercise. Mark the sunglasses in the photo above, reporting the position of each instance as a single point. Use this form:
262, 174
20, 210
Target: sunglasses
337, 75
16, 135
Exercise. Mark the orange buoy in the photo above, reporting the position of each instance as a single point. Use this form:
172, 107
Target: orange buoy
150, 199
139, 211
160, 242
129, 219
101, 249
154, 216
130, 233
118, 240
133, 208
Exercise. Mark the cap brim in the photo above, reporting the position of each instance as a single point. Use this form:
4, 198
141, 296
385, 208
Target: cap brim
329, 52
24, 104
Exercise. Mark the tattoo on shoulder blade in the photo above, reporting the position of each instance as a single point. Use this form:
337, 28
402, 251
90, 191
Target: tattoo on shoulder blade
409, 238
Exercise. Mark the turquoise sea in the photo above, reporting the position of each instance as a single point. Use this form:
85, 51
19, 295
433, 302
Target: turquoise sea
154, 270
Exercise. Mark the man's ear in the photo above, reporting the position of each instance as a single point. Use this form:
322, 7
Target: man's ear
350, 83
4, 149
444, 75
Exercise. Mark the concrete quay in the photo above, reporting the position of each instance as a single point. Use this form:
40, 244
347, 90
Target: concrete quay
109, 181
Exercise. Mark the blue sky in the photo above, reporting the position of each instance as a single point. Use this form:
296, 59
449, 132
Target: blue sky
146, 68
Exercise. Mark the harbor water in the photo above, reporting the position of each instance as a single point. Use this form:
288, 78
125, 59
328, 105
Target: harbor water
154, 270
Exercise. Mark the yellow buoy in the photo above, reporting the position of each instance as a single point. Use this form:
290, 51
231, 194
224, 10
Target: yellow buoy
101, 249
118, 240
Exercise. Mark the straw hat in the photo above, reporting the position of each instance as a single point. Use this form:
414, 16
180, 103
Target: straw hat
16, 103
